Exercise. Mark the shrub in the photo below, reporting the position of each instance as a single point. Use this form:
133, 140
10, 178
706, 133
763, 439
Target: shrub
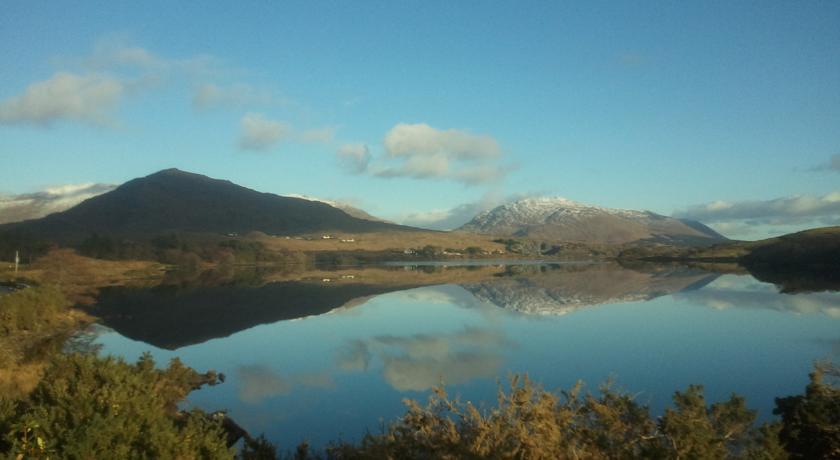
89, 407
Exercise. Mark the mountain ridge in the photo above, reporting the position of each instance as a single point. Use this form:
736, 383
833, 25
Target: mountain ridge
561, 219
173, 200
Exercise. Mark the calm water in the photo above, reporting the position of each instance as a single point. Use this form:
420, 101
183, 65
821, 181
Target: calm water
328, 355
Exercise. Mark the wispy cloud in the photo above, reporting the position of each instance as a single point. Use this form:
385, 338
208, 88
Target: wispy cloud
323, 135
211, 96
354, 157
65, 96
258, 132
90, 89
16, 208
421, 151
833, 164
741, 216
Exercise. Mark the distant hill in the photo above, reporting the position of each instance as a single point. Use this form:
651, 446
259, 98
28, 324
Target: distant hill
803, 261
352, 210
560, 219
177, 201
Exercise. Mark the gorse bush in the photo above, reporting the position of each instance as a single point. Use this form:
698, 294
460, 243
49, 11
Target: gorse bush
530, 423
87, 407
811, 422
90, 407
33, 310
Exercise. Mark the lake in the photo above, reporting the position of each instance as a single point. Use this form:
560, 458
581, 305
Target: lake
330, 353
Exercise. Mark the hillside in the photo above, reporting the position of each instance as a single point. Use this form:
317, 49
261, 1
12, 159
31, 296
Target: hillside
176, 201
801, 261
559, 219
351, 210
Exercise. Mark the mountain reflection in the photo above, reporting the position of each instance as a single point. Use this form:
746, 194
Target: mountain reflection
557, 290
188, 309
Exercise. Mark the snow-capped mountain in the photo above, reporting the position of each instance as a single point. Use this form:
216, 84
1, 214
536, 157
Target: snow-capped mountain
561, 219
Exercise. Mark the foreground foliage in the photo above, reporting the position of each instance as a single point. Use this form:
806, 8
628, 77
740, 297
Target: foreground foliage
530, 423
92, 407
88, 407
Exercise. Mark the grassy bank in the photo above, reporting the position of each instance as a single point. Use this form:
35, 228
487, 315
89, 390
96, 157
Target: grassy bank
36, 319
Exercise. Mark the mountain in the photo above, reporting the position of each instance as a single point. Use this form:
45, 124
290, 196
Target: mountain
351, 210
560, 219
176, 201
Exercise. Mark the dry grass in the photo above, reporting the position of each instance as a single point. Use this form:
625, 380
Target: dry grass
80, 277
65, 279
395, 276
381, 241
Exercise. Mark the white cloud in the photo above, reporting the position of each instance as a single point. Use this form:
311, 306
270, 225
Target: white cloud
257, 132
210, 96
354, 157
421, 151
423, 140
748, 218
89, 89
16, 208
318, 135
89, 98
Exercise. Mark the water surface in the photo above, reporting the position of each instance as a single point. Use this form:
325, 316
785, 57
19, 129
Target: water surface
330, 354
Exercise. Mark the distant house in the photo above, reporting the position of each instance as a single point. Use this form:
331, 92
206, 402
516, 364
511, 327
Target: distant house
348, 240
326, 237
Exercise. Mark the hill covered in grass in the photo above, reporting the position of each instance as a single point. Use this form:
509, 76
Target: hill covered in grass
177, 201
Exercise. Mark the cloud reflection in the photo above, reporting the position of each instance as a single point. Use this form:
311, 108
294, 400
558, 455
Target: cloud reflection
257, 383
421, 361
746, 293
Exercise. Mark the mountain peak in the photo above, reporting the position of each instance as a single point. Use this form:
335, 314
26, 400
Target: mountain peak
561, 219
175, 172
173, 200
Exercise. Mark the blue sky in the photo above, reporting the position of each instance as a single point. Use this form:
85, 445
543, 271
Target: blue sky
725, 110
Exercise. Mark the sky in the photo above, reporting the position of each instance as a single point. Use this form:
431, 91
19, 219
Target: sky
425, 112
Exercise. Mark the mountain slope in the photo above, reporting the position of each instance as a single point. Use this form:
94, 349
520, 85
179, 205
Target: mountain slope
176, 201
351, 210
559, 219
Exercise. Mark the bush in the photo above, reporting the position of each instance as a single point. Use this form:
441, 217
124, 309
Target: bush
32, 309
530, 423
89, 407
